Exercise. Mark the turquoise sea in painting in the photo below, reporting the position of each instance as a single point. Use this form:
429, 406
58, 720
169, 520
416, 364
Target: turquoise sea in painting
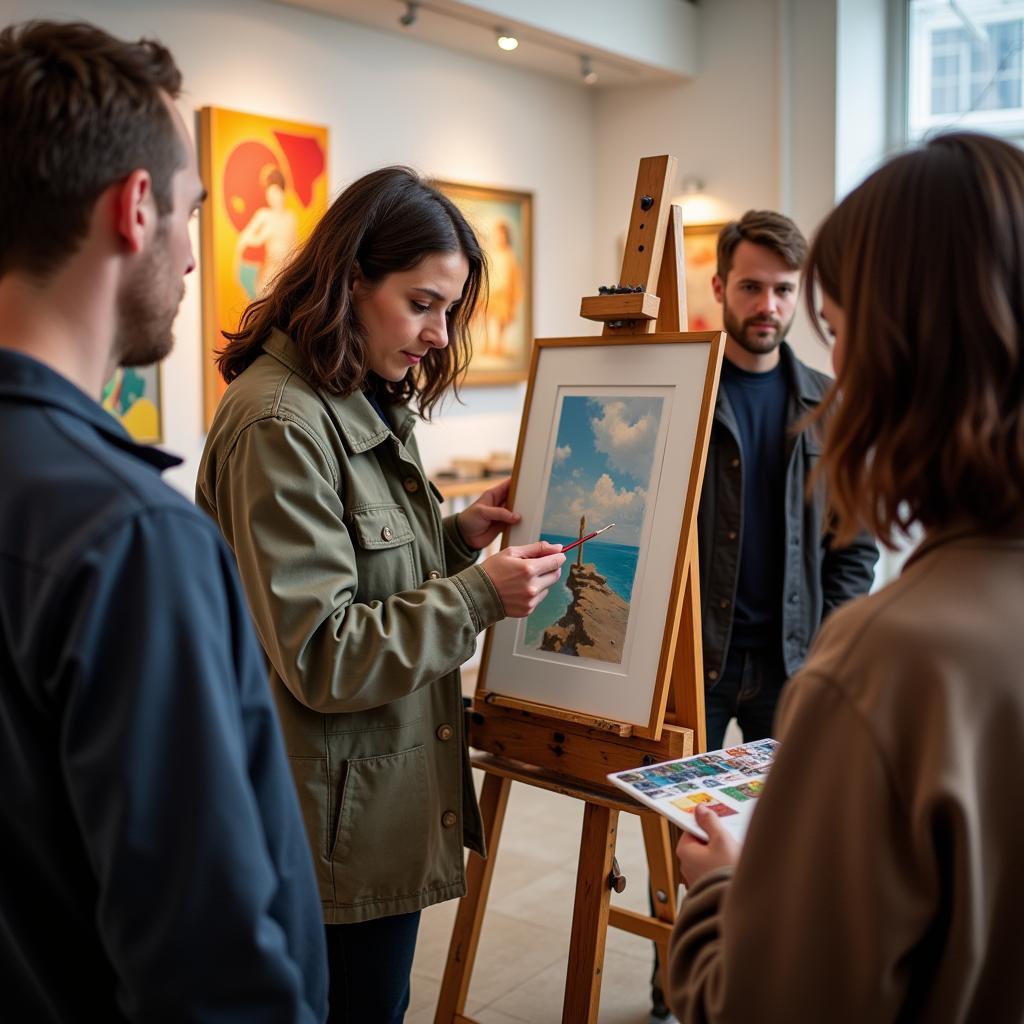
616, 562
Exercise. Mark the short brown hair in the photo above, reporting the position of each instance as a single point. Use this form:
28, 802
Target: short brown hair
925, 423
386, 222
773, 230
79, 111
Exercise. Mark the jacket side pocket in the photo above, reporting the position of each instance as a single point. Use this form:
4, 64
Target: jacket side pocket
382, 848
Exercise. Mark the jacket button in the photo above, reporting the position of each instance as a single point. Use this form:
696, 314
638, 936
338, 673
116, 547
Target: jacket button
449, 818
386, 533
411, 484
793, 598
735, 463
445, 732
723, 603
712, 675
733, 535
433, 575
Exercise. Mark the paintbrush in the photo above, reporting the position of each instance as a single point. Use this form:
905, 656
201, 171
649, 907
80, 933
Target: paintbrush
589, 536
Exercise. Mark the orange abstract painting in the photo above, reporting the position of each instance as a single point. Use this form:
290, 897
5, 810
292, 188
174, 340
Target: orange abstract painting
700, 248
267, 185
502, 327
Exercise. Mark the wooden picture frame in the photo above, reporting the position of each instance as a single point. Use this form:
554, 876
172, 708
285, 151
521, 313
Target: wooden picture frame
266, 180
502, 327
700, 252
133, 397
647, 402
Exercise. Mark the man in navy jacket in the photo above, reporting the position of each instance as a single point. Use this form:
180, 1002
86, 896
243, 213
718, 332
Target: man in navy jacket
155, 867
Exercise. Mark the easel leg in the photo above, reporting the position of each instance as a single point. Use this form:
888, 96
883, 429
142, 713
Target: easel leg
590, 916
660, 857
466, 934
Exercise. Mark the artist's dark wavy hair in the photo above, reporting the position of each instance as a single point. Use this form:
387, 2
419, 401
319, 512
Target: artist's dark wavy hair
925, 422
384, 223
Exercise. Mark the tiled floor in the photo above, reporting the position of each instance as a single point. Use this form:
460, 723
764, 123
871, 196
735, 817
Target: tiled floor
520, 967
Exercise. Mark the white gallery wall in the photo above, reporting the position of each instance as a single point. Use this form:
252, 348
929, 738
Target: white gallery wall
386, 99
758, 125
787, 112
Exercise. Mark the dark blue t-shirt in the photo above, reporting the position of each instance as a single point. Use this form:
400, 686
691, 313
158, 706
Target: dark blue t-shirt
759, 401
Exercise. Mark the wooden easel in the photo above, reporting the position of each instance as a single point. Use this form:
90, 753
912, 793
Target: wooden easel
570, 753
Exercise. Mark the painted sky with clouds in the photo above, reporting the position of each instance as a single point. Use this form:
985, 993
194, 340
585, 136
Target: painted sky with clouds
604, 451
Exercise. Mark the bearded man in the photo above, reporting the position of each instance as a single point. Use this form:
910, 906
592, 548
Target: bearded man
769, 573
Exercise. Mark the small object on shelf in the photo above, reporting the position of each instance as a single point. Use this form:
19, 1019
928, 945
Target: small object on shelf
500, 464
468, 469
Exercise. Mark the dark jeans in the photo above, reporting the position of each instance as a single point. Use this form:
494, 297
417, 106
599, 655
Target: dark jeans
748, 690
368, 965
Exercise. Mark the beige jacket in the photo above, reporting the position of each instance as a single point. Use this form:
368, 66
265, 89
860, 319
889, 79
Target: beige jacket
882, 878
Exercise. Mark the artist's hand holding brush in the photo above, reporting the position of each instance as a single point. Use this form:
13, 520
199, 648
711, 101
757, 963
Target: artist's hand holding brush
521, 575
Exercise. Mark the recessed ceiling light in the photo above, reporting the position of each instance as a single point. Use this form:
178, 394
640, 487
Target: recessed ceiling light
507, 41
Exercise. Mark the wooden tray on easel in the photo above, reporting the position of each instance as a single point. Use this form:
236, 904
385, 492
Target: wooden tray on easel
570, 751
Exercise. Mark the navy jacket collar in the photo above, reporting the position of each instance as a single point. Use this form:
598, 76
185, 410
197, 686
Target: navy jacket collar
24, 379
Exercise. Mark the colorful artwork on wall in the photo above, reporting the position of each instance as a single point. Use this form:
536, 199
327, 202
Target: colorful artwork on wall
267, 185
700, 247
502, 329
132, 396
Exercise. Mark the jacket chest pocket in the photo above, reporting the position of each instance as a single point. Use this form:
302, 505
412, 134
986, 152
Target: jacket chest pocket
385, 553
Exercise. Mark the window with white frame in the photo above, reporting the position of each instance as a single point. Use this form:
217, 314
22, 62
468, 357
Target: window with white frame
966, 66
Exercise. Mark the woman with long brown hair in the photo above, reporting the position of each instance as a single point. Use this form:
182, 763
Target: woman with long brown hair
881, 876
365, 599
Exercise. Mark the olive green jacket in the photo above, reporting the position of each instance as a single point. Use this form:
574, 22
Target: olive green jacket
366, 602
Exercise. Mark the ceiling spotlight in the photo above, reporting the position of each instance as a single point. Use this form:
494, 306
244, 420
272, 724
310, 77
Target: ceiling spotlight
587, 72
505, 40
409, 18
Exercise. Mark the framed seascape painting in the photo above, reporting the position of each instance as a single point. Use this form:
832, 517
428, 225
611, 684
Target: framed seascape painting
132, 396
502, 328
267, 185
613, 439
700, 248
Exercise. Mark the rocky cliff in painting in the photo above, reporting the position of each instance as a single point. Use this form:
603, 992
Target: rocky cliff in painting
594, 624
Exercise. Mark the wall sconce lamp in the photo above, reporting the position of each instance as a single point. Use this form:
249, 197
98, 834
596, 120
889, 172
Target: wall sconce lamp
692, 185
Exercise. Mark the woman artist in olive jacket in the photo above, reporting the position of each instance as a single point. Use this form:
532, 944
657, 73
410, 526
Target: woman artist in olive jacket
365, 598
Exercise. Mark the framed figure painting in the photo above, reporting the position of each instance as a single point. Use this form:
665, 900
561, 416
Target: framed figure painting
267, 185
132, 396
615, 432
502, 328
700, 248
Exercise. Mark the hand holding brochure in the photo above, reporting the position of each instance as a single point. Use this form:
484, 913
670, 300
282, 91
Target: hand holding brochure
727, 781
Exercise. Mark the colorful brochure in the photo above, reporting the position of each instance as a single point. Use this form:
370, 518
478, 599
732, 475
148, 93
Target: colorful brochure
727, 781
